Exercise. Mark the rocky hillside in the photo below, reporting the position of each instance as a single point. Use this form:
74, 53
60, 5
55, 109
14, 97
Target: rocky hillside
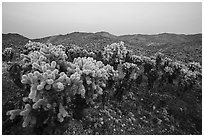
177, 46
13, 40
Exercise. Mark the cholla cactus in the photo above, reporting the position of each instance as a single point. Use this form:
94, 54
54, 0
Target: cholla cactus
91, 67
45, 77
95, 74
195, 66
54, 52
137, 59
148, 60
27, 117
8, 54
178, 65
39, 103
127, 69
13, 113
33, 46
168, 70
115, 53
62, 113
47, 83
46, 53
159, 58
75, 52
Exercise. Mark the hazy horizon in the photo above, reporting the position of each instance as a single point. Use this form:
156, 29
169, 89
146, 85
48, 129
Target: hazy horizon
103, 31
37, 20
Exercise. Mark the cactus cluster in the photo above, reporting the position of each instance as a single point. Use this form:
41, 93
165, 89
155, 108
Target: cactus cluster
116, 52
8, 54
84, 76
59, 75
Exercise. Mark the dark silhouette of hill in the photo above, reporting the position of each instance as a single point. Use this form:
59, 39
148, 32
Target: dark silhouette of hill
177, 46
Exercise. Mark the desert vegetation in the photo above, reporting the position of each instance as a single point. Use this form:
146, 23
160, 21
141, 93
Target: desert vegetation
69, 89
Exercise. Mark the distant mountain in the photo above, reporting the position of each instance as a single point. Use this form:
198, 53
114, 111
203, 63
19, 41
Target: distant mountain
177, 46
106, 34
89, 40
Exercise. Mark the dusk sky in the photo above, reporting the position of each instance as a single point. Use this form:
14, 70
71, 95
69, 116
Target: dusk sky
35, 20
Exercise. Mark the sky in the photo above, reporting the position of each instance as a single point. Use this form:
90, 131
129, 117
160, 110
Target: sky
36, 20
